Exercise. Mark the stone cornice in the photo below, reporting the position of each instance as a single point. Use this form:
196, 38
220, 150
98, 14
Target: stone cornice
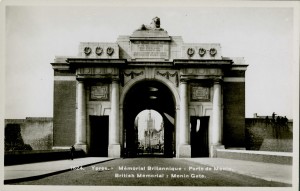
188, 77
60, 66
202, 63
150, 63
94, 62
97, 77
150, 38
239, 67
150, 34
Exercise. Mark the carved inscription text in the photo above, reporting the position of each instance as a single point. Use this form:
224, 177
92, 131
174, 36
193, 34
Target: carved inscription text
152, 49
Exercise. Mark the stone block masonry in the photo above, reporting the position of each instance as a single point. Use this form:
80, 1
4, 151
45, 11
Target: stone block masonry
37, 132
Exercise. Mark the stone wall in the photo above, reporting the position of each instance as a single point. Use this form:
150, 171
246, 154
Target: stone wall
257, 156
264, 136
30, 133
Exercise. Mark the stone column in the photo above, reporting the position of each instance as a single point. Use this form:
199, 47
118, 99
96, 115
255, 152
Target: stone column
216, 129
114, 149
184, 129
81, 117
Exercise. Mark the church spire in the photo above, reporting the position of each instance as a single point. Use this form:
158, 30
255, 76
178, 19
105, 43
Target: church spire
149, 115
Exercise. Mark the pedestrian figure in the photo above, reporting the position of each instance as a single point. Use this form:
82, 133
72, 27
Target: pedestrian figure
274, 126
286, 124
274, 129
273, 117
278, 127
267, 121
281, 122
72, 151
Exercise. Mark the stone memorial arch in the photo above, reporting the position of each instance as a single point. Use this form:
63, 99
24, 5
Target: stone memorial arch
98, 94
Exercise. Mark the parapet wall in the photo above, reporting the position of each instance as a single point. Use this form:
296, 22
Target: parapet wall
265, 135
257, 156
260, 135
36, 132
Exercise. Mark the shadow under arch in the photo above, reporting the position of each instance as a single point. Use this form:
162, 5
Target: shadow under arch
146, 95
158, 79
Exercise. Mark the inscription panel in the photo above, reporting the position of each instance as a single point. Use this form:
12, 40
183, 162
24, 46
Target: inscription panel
199, 93
150, 49
99, 93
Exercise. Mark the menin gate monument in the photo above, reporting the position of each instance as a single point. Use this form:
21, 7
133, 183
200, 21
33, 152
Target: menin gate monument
98, 94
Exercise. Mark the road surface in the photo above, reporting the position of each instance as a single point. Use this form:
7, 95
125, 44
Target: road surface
151, 172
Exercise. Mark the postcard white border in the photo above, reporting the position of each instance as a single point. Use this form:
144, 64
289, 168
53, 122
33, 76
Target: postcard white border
156, 3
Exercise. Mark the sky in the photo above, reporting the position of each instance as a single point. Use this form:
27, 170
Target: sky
34, 35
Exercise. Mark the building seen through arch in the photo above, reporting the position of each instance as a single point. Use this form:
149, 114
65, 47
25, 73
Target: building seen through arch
199, 93
153, 138
150, 133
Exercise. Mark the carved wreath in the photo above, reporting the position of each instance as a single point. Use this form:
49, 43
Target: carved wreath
212, 51
99, 51
109, 51
190, 51
87, 50
202, 52
168, 74
133, 74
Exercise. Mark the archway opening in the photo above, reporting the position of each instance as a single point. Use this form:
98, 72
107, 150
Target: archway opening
156, 139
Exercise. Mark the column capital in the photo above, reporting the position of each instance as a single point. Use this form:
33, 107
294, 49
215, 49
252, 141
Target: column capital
184, 81
115, 80
217, 80
80, 81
